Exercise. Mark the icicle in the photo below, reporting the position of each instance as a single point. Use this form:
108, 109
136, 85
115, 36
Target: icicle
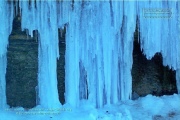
48, 53
128, 26
150, 28
178, 50
178, 80
6, 19
3, 64
72, 60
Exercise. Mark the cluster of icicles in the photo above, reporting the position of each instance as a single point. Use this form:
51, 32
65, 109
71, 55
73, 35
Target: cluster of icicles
99, 45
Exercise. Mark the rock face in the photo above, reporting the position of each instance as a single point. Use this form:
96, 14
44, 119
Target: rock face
22, 68
150, 76
21, 76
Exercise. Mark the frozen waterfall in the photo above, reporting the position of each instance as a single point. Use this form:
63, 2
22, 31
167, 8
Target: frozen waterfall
99, 45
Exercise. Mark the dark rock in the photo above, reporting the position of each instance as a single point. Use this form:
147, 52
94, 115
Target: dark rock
150, 76
134, 96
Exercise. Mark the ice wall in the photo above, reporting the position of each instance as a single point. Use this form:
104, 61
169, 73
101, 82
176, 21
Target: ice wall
99, 37
6, 12
178, 50
99, 43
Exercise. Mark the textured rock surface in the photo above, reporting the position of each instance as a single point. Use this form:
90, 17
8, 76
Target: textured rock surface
22, 67
21, 76
150, 76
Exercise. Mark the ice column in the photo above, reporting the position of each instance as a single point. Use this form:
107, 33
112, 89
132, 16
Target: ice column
178, 50
72, 59
126, 49
6, 11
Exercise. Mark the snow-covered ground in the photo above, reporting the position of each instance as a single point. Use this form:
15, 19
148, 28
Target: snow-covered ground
145, 108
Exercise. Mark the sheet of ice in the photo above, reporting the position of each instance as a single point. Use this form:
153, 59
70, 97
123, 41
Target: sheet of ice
178, 79
178, 53
6, 11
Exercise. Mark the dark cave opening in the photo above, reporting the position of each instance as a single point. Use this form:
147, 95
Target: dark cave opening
61, 65
150, 76
22, 68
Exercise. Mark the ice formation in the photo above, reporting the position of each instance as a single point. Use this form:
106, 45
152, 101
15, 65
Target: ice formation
101, 40
6, 11
99, 46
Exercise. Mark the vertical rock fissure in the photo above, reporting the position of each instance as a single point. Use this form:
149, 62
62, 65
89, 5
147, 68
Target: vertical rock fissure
61, 65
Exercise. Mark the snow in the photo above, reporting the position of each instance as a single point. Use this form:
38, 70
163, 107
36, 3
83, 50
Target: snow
148, 107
